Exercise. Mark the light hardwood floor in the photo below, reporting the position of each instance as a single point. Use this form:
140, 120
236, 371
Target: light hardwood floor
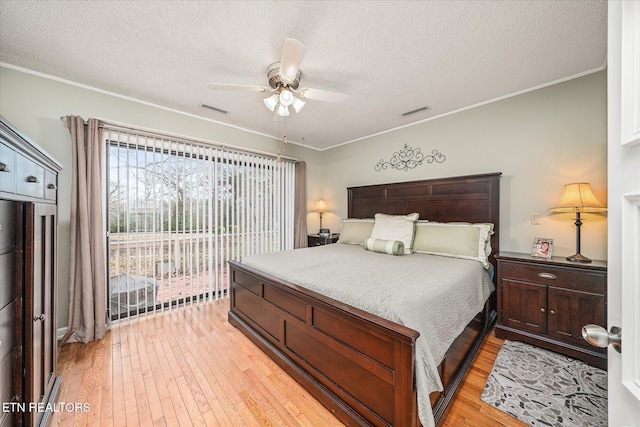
190, 367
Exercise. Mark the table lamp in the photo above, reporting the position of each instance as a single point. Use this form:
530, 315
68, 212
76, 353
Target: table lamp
321, 207
578, 198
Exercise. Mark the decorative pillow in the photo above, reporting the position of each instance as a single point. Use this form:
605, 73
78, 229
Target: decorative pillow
395, 227
391, 247
409, 217
455, 239
353, 231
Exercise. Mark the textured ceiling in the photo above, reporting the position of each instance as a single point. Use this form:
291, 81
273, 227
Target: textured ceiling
390, 56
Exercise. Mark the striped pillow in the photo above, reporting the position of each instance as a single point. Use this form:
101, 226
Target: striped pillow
391, 247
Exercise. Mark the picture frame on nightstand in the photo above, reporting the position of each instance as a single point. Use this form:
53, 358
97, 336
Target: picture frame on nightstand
542, 247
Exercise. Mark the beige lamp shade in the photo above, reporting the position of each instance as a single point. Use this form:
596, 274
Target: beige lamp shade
321, 206
578, 197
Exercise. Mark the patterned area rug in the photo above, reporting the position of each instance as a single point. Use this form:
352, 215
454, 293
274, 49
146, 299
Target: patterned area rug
542, 388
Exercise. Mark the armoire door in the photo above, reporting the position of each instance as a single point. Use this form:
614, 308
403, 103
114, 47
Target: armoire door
11, 256
39, 296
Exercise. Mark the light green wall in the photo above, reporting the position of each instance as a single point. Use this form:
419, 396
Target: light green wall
540, 141
35, 104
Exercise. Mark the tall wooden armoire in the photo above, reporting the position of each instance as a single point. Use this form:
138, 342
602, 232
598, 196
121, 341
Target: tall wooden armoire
28, 279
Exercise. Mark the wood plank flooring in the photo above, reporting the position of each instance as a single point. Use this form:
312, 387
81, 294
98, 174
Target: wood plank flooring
189, 367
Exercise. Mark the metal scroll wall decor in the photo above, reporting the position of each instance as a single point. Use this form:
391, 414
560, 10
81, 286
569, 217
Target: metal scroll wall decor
408, 158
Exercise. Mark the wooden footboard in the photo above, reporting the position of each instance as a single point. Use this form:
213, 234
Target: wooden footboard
355, 363
359, 366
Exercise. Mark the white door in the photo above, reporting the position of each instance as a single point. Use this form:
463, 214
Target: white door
623, 309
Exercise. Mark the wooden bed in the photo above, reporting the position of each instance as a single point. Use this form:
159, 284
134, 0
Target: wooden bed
309, 335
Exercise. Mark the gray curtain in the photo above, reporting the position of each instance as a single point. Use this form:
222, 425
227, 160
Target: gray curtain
300, 207
88, 278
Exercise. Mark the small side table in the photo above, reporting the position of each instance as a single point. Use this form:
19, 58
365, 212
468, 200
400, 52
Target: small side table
316, 240
547, 302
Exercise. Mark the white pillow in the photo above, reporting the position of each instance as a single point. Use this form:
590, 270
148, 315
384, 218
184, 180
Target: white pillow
455, 239
395, 227
353, 231
409, 217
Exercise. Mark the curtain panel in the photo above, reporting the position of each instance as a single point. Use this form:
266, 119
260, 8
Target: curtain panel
87, 264
300, 208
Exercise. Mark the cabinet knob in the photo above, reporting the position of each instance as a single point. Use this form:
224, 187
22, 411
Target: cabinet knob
32, 178
542, 309
4, 167
552, 312
546, 276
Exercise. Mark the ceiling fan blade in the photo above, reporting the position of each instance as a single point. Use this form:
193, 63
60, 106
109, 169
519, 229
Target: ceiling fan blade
292, 52
324, 95
243, 88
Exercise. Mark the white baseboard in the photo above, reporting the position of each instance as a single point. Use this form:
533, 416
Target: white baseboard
61, 332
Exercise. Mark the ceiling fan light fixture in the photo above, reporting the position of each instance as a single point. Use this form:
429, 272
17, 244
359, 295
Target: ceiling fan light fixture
283, 110
286, 97
271, 102
284, 81
297, 104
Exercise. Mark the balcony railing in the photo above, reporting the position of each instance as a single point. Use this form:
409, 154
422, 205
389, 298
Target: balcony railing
151, 271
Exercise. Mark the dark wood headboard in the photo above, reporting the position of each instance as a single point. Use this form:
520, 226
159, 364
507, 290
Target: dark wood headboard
473, 198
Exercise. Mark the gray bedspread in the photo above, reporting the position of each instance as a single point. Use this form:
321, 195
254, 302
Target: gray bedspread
435, 295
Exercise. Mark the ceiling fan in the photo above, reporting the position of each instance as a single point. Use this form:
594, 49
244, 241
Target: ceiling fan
284, 83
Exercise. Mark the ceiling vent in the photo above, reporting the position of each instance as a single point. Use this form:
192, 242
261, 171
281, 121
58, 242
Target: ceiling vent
417, 110
212, 108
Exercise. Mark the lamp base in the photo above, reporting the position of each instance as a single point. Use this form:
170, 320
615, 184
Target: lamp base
579, 258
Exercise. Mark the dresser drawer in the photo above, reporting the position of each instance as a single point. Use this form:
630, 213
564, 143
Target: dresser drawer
570, 278
50, 185
8, 223
29, 177
7, 169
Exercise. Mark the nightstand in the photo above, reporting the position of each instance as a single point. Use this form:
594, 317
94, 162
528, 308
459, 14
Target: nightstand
316, 240
547, 302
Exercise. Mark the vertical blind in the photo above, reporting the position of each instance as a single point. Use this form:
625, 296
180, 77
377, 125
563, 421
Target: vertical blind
179, 210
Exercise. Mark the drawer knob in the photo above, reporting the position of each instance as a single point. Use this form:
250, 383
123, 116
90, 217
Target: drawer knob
546, 276
32, 178
542, 309
51, 186
4, 167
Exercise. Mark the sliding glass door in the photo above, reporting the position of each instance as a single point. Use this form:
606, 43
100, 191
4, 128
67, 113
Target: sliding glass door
178, 211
